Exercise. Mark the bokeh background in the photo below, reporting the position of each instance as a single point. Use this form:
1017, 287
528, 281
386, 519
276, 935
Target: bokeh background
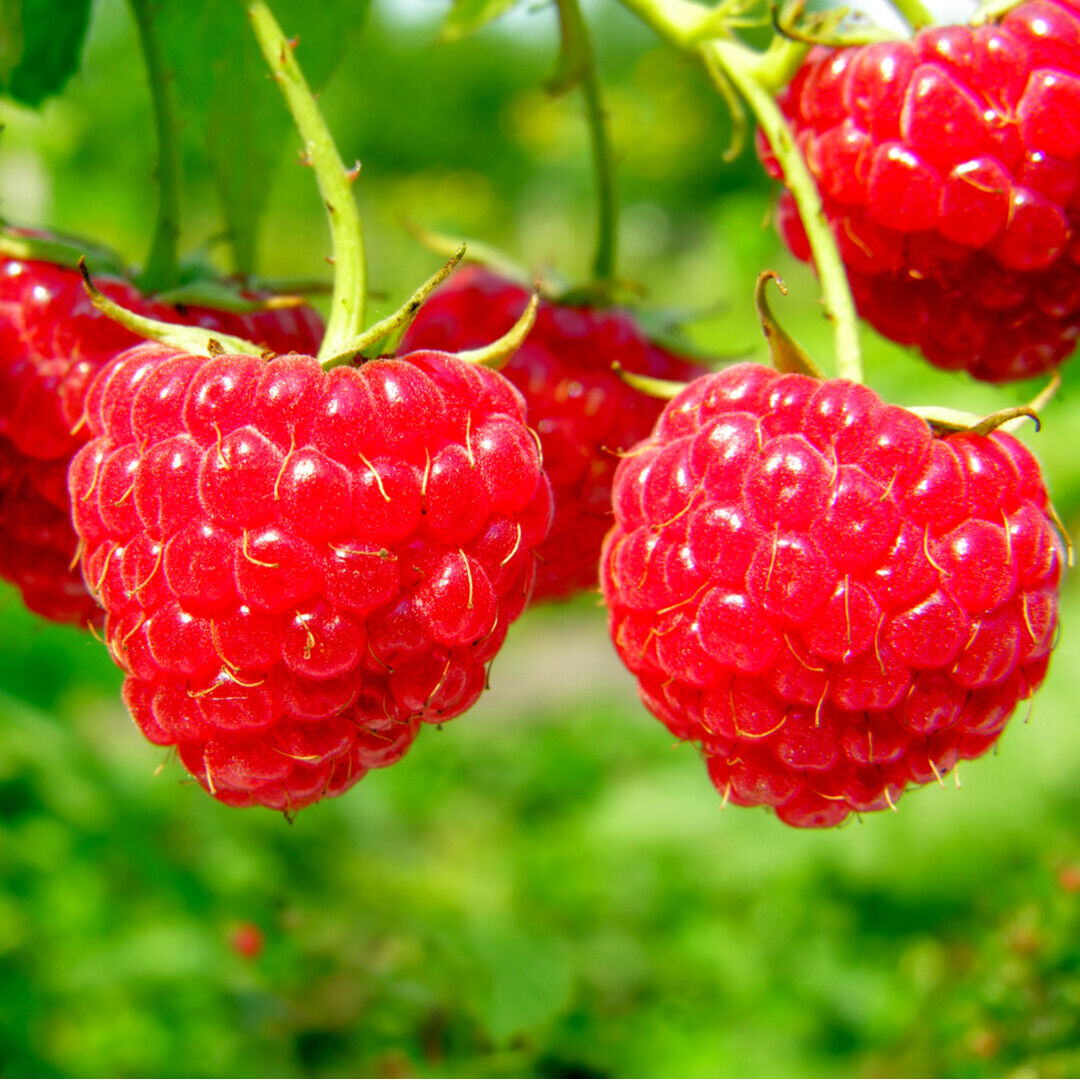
545, 887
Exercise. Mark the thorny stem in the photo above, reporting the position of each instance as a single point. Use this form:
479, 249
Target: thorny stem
162, 269
693, 28
335, 183
576, 38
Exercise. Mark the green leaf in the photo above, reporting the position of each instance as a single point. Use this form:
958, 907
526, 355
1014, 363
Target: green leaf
529, 979
40, 46
469, 15
232, 109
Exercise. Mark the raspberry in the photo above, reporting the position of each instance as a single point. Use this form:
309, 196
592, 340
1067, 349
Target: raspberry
584, 415
247, 940
53, 341
829, 599
298, 566
949, 168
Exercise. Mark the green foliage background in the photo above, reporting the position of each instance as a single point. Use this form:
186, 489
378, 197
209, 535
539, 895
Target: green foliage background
545, 887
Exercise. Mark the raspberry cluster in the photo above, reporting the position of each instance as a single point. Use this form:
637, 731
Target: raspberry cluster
53, 342
585, 416
299, 566
949, 168
827, 597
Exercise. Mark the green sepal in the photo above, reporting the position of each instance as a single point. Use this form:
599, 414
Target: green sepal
823, 28
498, 354
476, 252
225, 296
191, 339
663, 389
383, 337
787, 355
61, 250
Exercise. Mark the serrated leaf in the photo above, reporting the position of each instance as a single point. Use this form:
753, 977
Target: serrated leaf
467, 16
41, 45
230, 105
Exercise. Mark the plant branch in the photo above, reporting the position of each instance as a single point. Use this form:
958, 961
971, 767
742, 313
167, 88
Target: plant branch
694, 28
162, 269
578, 44
738, 63
335, 183
914, 13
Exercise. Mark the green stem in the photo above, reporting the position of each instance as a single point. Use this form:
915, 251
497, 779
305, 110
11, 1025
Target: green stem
388, 332
693, 28
162, 269
335, 184
779, 63
738, 62
677, 21
575, 30
914, 12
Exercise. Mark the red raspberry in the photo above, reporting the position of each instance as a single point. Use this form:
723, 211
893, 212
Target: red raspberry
830, 600
585, 416
299, 566
247, 940
949, 167
52, 342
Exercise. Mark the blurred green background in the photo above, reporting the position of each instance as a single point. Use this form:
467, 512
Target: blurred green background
546, 887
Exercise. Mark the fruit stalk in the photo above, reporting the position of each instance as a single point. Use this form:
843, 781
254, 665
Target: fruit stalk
737, 62
692, 28
162, 269
577, 42
914, 13
335, 184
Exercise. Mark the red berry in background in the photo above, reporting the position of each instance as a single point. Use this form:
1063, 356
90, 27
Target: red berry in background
949, 168
585, 416
833, 602
247, 940
298, 567
52, 343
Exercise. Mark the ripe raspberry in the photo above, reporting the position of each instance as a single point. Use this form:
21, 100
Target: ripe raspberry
247, 940
299, 566
52, 342
949, 167
582, 412
830, 600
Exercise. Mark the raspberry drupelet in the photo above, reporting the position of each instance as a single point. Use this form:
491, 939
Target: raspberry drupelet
949, 169
831, 600
300, 566
52, 343
585, 416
